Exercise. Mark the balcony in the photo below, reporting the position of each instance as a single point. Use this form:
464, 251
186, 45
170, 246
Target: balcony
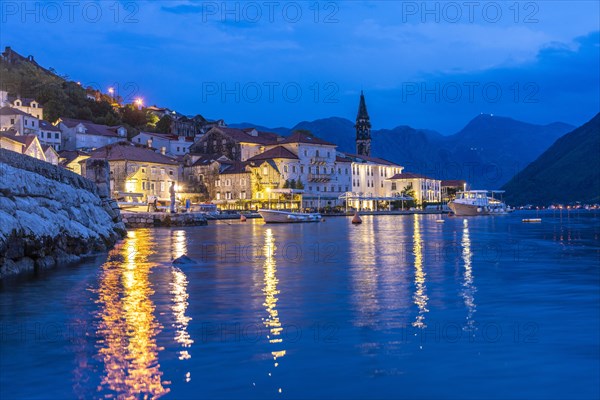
318, 160
319, 177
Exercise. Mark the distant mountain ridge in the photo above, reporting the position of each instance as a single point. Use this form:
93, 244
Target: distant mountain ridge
568, 171
487, 152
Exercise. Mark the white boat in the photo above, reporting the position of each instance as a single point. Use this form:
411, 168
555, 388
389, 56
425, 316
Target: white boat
286, 217
478, 202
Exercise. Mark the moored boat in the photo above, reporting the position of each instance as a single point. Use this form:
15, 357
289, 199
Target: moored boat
477, 202
286, 217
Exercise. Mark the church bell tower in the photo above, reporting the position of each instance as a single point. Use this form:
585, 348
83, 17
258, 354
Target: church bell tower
363, 129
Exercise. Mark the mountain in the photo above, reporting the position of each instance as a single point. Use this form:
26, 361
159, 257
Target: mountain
568, 171
487, 152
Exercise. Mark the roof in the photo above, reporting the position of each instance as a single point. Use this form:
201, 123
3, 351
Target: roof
454, 183
92, 128
166, 136
46, 147
234, 168
67, 156
306, 137
342, 159
128, 152
10, 135
409, 175
6, 110
24, 100
47, 126
245, 136
276, 152
376, 160
24, 139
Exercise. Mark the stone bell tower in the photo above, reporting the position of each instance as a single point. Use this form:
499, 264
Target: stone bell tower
363, 129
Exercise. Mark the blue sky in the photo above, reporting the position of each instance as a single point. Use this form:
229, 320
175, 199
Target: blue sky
429, 65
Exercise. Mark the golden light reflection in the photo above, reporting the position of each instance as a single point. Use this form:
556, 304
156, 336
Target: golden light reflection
420, 297
469, 289
127, 328
272, 322
179, 307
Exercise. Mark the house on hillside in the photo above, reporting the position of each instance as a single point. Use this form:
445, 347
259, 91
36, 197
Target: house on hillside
20, 121
72, 160
23, 144
168, 144
86, 135
27, 105
50, 135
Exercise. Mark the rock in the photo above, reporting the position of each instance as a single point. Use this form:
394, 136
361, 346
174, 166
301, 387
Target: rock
183, 260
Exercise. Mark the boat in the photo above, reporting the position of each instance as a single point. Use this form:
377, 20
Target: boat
286, 217
478, 202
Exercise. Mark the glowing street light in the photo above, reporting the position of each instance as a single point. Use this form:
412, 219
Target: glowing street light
139, 102
111, 91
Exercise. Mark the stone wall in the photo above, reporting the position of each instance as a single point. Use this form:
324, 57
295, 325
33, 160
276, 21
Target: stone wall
50, 216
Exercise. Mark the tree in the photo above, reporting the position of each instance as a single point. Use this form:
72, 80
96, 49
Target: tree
164, 124
134, 117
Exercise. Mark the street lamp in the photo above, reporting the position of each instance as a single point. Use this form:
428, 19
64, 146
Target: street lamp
139, 102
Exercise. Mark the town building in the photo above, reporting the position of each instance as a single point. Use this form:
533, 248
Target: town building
233, 187
27, 105
235, 144
167, 144
51, 155
182, 125
23, 144
86, 135
422, 188
20, 121
137, 172
72, 160
50, 135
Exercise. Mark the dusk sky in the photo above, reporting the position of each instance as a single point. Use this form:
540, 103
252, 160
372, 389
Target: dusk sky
429, 65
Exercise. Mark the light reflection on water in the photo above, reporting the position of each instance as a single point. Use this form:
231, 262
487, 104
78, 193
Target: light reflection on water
127, 327
388, 289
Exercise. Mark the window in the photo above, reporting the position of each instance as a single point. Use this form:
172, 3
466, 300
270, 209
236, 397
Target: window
317, 153
162, 186
328, 154
228, 182
152, 185
305, 153
243, 195
162, 171
153, 170
332, 170
324, 188
285, 168
218, 195
310, 188
171, 172
243, 182
265, 171
218, 182
56, 136
339, 188
333, 188
301, 169
293, 168
347, 189
228, 195
178, 149
143, 170
143, 185
318, 189
12, 121
346, 170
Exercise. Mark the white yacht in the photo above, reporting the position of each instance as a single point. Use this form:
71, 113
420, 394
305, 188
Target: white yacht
478, 202
286, 217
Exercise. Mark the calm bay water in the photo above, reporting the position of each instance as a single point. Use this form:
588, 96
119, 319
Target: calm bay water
398, 307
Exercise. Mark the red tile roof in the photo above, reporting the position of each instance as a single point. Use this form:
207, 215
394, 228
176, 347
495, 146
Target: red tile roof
234, 168
129, 152
92, 128
305, 137
409, 175
6, 110
244, 135
276, 152
23, 139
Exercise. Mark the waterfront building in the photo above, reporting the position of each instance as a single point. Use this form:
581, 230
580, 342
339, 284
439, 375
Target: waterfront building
138, 172
22, 122
233, 187
86, 135
167, 144
424, 189
235, 144
50, 135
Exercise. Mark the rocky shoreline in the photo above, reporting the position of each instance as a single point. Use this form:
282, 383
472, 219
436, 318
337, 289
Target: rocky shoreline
50, 216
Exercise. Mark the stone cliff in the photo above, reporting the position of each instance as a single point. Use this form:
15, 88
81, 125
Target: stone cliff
50, 216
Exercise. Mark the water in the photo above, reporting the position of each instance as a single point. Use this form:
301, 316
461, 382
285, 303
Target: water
398, 307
